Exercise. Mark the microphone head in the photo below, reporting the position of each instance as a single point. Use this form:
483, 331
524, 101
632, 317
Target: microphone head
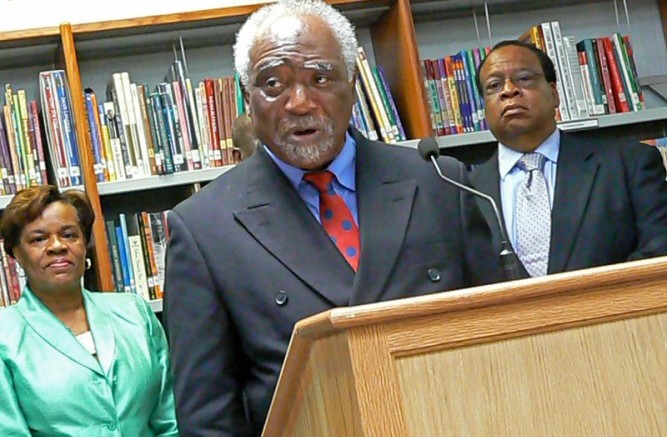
428, 147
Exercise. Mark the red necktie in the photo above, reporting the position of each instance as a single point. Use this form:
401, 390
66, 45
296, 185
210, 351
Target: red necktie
336, 217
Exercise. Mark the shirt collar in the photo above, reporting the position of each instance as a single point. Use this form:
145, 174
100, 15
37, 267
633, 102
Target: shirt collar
507, 157
342, 166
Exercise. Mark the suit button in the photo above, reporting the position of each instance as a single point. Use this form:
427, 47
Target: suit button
433, 274
281, 298
111, 426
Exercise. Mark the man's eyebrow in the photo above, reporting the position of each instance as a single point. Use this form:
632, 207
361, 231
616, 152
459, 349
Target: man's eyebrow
319, 65
271, 63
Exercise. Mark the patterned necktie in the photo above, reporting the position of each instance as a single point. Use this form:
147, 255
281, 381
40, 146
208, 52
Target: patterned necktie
336, 217
533, 216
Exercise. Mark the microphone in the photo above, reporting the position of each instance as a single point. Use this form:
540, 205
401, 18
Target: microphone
430, 151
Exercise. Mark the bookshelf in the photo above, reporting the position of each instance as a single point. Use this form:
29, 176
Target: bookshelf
157, 182
655, 116
395, 33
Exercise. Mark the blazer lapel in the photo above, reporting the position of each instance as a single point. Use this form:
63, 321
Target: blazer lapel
102, 331
486, 179
385, 205
47, 326
280, 221
577, 169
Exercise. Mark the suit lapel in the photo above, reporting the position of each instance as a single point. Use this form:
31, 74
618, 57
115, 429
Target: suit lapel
103, 335
280, 221
577, 169
385, 204
487, 180
47, 326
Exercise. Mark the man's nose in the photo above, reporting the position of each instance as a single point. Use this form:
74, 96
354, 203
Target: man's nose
299, 100
509, 88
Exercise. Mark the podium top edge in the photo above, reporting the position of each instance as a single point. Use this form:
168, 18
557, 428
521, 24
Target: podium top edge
634, 273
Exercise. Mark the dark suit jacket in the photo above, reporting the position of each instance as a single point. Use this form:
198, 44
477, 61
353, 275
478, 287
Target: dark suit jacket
610, 203
247, 260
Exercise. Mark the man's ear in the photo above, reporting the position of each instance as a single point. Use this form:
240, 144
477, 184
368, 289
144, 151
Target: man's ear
554, 93
246, 99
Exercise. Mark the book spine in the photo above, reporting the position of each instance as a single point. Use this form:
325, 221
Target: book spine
114, 253
144, 127
163, 132
392, 104
618, 91
624, 69
562, 113
32, 160
52, 126
67, 128
95, 137
128, 265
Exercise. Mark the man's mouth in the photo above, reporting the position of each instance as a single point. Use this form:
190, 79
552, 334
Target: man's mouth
512, 110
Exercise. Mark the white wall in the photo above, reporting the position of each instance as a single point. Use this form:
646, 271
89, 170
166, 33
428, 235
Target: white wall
30, 14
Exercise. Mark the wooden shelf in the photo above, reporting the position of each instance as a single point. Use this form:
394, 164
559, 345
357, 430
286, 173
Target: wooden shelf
214, 27
603, 121
155, 182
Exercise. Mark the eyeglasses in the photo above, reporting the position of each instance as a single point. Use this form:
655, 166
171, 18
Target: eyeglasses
524, 79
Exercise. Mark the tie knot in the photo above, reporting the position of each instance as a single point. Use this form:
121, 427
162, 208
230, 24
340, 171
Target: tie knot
531, 161
320, 180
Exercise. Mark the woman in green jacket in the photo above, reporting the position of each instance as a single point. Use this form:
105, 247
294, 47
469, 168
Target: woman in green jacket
75, 363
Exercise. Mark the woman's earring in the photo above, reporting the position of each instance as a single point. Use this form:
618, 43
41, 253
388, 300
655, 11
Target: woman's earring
19, 270
89, 263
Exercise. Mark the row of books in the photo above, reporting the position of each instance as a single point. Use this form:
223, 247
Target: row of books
374, 113
22, 157
11, 282
137, 245
455, 104
59, 128
595, 76
138, 133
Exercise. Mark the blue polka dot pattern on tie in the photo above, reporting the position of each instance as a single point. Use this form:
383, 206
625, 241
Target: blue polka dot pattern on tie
336, 217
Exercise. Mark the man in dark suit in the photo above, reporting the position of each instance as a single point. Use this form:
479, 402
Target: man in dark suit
254, 252
606, 203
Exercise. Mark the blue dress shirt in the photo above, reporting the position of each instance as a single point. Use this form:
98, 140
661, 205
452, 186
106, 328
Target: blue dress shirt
345, 185
512, 176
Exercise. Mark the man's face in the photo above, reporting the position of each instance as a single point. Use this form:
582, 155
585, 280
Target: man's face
300, 98
520, 103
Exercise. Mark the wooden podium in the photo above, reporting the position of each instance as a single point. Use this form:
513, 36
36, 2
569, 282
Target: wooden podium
575, 354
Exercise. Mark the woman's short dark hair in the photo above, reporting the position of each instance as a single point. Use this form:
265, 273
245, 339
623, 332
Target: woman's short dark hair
29, 204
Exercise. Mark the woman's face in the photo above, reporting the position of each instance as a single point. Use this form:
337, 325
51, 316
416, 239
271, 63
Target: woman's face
52, 250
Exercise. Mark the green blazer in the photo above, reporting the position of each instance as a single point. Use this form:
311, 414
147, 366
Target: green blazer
51, 386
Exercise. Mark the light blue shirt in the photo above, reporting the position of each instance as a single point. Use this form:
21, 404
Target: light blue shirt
344, 184
512, 176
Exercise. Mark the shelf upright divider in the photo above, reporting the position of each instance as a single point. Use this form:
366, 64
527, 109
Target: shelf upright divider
101, 258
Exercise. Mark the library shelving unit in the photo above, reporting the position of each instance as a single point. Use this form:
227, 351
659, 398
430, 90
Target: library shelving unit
395, 33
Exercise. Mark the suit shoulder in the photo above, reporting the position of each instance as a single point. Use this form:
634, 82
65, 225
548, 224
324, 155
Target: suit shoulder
219, 191
408, 159
10, 318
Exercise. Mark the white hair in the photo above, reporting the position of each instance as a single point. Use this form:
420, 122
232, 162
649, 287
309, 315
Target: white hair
265, 17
